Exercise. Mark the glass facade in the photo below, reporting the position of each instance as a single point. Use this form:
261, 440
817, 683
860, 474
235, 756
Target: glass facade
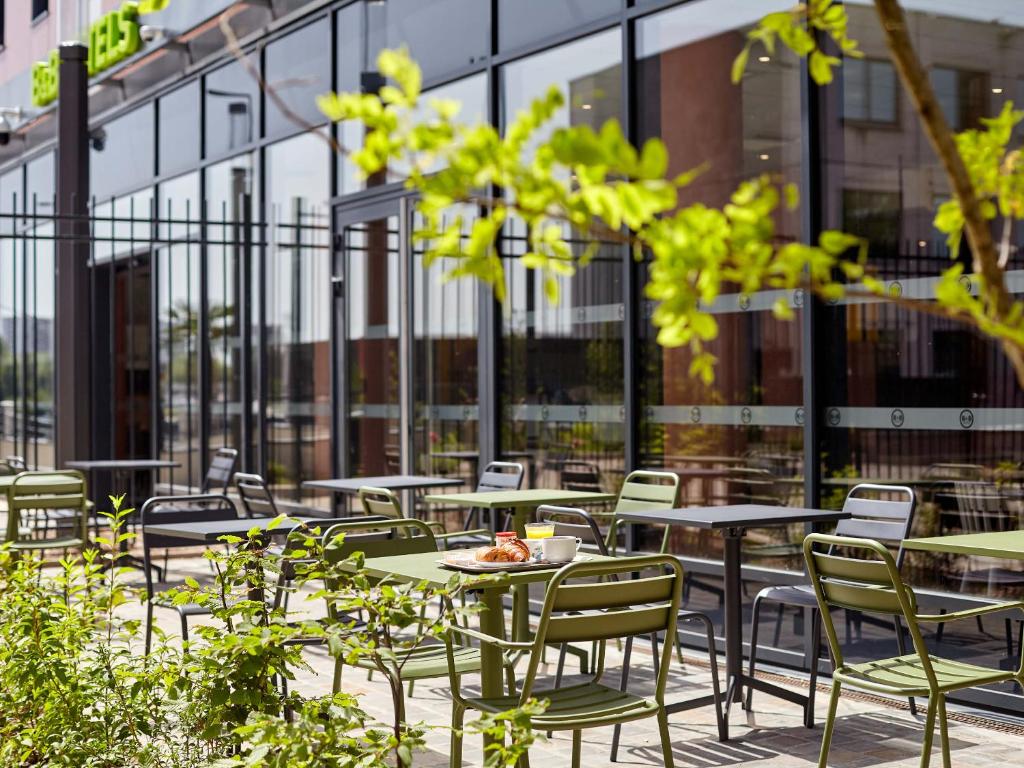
562, 366
264, 334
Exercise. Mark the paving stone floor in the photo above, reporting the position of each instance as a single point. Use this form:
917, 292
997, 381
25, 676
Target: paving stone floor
870, 732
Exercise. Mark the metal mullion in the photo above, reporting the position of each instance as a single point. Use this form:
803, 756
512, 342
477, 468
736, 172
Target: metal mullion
630, 283
154, 336
93, 447
130, 327
189, 372
165, 258
111, 347
205, 385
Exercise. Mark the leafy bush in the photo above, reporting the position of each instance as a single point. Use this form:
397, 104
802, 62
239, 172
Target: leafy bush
76, 690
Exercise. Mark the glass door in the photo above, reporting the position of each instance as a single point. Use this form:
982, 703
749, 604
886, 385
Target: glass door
371, 303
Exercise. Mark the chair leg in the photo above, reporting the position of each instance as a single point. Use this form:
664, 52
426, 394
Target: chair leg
184, 629
716, 688
510, 679
901, 646
563, 649
577, 748
666, 739
455, 759
815, 655
1009, 638
623, 684
940, 628
830, 724
755, 623
929, 730
943, 731
780, 616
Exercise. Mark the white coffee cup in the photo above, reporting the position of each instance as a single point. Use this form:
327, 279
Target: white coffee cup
559, 549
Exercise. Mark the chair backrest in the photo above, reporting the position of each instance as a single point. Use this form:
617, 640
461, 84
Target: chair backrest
751, 485
12, 465
51, 490
380, 502
865, 578
593, 601
647, 489
581, 476
378, 538
885, 520
983, 508
257, 500
569, 521
167, 510
222, 466
501, 476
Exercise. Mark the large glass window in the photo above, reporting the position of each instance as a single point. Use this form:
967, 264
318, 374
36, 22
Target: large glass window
229, 189
912, 398
298, 69
445, 369
521, 22
740, 438
561, 366
371, 262
40, 185
298, 315
177, 311
178, 142
231, 99
123, 152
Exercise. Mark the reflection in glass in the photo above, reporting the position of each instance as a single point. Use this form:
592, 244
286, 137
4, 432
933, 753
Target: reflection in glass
446, 439
521, 22
178, 136
562, 366
229, 189
178, 307
738, 440
231, 99
298, 315
122, 153
911, 398
370, 253
298, 69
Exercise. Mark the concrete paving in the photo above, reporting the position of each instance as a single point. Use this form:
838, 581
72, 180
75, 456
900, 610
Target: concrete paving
870, 731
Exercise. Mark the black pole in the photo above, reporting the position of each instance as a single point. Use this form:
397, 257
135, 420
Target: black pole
72, 343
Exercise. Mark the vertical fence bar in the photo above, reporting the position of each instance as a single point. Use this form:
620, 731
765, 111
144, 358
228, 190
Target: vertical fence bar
130, 328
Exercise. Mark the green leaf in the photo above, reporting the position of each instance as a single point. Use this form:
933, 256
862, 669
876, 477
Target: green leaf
739, 64
820, 67
653, 159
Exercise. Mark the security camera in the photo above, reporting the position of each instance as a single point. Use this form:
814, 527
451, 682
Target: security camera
98, 139
149, 33
6, 128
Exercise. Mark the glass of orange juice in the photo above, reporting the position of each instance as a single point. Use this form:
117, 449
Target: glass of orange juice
535, 532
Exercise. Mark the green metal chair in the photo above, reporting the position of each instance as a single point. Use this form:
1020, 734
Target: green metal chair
386, 538
584, 612
873, 585
32, 493
383, 502
644, 490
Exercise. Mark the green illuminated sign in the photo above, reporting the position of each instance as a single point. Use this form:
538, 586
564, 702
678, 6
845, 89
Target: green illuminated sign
113, 38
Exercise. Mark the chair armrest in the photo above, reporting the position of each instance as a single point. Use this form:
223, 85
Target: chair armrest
469, 532
971, 613
490, 639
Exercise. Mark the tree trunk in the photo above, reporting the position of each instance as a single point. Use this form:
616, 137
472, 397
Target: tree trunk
979, 234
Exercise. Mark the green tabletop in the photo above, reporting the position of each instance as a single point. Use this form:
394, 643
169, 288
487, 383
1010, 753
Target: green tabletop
425, 566
1004, 544
38, 479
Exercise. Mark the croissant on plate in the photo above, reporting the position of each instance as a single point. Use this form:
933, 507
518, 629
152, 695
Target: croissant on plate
512, 551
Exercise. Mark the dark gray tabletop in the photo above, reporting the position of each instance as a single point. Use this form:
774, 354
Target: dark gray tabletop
391, 482
212, 530
734, 516
121, 464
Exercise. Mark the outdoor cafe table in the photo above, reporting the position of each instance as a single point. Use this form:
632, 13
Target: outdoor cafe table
1007, 545
733, 521
349, 486
210, 531
522, 503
